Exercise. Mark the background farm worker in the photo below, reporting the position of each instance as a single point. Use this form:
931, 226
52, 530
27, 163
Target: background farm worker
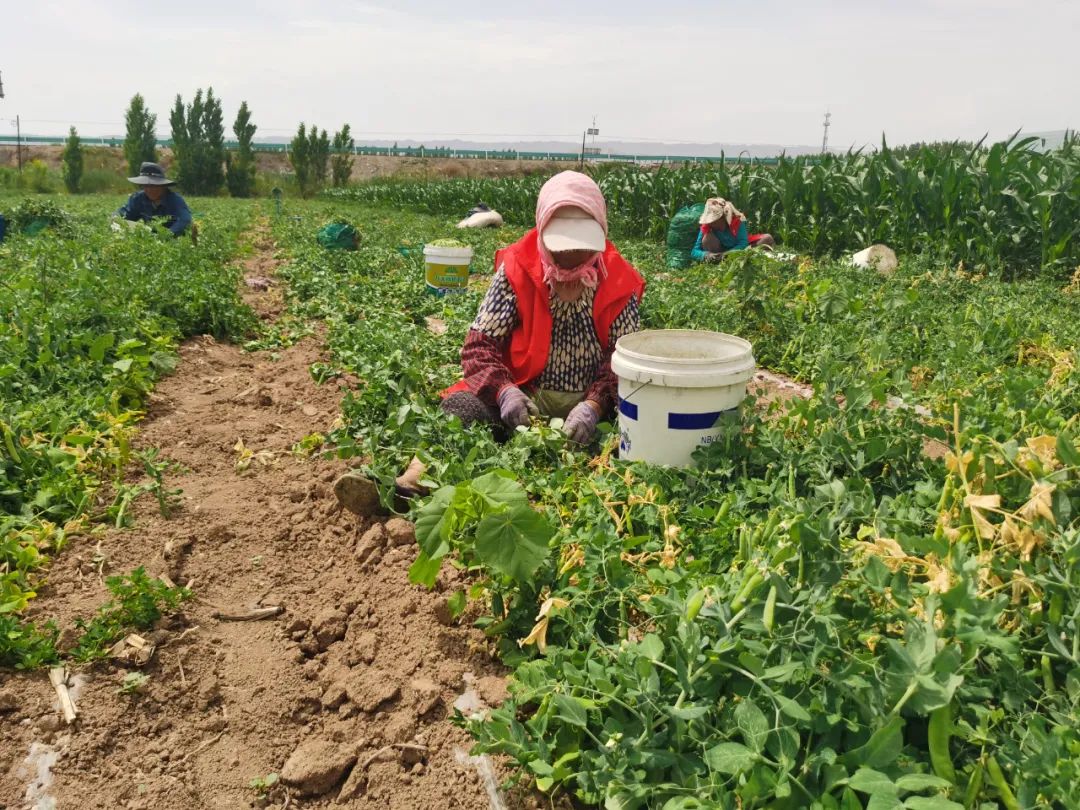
156, 201
542, 340
723, 230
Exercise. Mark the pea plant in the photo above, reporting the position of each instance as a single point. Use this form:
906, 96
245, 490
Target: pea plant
862, 599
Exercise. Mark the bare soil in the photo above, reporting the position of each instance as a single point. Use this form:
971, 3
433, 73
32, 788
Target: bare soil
346, 693
365, 167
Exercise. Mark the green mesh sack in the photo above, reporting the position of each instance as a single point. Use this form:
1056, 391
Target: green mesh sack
682, 234
339, 236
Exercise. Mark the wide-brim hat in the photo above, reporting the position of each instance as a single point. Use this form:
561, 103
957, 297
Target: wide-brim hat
571, 228
151, 174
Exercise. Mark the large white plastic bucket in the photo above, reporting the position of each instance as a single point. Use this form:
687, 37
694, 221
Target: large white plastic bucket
675, 385
446, 269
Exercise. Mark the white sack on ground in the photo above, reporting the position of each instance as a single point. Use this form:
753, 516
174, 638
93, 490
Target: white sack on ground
482, 219
876, 257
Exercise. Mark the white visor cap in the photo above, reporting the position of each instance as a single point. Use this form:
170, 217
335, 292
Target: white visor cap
571, 228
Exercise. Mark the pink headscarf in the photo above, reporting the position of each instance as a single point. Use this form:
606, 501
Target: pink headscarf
570, 189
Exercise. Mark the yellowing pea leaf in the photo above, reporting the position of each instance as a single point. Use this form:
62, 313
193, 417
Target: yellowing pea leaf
983, 501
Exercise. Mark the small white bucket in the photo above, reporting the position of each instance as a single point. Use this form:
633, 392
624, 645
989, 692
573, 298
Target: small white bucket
674, 386
446, 269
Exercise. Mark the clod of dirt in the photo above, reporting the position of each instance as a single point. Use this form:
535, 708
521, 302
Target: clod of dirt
401, 728
316, 766
48, 723
493, 690
400, 531
358, 494
298, 625
9, 701
443, 614
425, 694
369, 689
209, 691
370, 543
259, 283
329, 626
334, 696
363, 649
354, 785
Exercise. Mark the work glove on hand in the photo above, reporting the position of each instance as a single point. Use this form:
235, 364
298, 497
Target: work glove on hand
580, 424
515, 408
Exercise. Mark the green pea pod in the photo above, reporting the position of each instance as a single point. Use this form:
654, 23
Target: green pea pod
1057, 604
744, 543
938, 733
497, 629
974, 785
997, 779
747, 590
1048, 674
946, 494
770, 527
769, 614
722, 512
693, 605
9, 442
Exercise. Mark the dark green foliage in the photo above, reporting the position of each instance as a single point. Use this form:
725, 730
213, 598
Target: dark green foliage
309, 154
198, 134
140, 140
240, 169
72, 162
342, 160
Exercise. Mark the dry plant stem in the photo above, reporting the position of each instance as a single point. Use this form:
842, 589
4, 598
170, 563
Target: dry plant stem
251, 616
387, 748
58, 677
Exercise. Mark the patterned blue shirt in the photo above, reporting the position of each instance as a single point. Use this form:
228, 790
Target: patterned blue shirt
171, 208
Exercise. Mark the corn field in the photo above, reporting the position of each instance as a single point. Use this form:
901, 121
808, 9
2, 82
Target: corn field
1007, 209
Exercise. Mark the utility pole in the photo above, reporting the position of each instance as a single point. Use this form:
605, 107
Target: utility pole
825, 137
18, 143
593, 131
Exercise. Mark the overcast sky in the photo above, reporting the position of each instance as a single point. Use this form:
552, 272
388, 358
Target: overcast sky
745, 72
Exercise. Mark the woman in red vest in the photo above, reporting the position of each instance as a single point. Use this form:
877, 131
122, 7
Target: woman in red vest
542, 340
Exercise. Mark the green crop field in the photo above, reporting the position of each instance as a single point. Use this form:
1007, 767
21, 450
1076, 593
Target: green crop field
1005, 209
865, 599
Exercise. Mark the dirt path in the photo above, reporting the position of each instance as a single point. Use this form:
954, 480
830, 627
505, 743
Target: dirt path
358, 661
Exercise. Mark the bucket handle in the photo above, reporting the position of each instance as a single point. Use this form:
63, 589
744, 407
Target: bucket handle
627, 397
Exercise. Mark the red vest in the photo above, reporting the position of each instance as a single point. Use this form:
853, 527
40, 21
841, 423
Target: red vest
530, 342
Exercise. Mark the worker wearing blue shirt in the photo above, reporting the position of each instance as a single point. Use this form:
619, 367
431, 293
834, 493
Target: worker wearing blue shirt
156, 201
723, 229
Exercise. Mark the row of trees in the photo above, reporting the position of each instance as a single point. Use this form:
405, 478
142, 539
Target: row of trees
315, 158
204, 167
